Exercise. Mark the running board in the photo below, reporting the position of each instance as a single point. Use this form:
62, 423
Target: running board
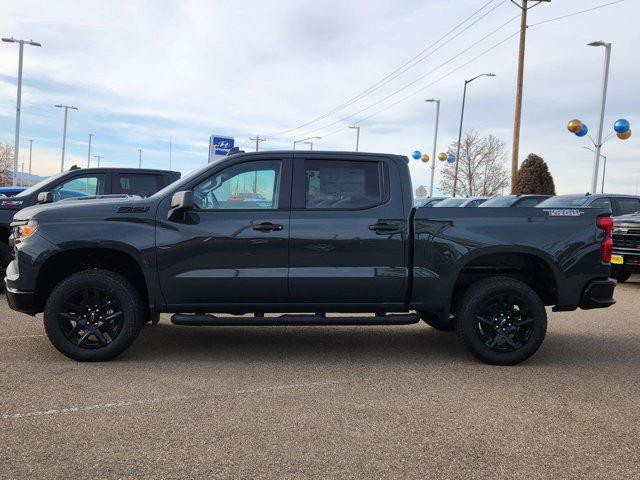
201, 320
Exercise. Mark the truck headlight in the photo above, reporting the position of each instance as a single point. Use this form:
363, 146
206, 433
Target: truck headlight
25, 230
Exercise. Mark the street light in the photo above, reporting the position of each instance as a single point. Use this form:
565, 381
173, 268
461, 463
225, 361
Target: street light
139, 158
99, 158
64, 132
304, 140
604, 167
603, 101
464, 97
16, 145
435, 142
89, 152
357, 128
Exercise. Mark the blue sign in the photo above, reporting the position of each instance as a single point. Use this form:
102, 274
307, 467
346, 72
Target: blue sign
220, 146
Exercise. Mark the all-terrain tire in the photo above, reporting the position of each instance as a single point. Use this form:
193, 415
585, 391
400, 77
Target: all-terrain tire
117, 288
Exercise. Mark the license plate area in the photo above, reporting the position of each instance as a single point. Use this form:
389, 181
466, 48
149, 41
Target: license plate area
617, 259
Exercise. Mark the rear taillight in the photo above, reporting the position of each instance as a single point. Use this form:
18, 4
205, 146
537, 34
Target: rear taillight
606, 224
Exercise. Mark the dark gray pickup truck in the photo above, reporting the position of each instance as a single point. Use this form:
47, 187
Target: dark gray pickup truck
285, 238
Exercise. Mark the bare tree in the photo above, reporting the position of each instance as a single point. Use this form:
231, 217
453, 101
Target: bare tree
6, 164
481, 169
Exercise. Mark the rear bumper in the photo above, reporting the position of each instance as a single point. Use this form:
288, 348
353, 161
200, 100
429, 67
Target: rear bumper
598, 294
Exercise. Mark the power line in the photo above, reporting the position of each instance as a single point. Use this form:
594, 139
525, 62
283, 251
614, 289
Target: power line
402, 68
575, 13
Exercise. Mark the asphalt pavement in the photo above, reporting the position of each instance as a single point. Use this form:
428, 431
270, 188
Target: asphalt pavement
325, 402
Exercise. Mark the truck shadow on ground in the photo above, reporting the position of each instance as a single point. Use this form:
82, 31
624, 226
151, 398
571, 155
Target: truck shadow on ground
357, 344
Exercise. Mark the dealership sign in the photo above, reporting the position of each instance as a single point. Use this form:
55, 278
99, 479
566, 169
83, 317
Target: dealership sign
219, 146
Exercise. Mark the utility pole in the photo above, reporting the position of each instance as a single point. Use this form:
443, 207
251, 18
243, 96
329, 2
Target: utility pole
435, 143
524, 7
30, 151
139, 158
23, 174
89, 152
258, 139
64, 131
357, 128
170, 150
16, 145
310, 145
99, 158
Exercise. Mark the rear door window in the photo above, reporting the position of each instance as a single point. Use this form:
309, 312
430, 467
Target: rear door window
604, 202
144, 185
628, 205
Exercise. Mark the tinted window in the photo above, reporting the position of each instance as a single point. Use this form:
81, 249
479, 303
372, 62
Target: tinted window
528, 202
475, 203
79, 187
250, 185
628, 205
138, 184
564, 201
342, 185
451, 202
499, 202
601, 203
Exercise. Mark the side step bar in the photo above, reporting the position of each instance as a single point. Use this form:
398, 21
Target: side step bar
201, 320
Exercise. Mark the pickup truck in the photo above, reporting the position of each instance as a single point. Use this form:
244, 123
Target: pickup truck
285, 238
625, 260
80, 182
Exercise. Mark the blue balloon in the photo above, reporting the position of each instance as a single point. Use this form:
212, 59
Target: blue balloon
451, 158
416, 155
583, 131
621, 126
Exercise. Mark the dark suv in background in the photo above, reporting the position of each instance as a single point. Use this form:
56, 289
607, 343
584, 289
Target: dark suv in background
80, 182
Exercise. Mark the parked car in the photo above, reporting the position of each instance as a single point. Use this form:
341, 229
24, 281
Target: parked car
462, 202
337, 232
618, 204
11, 191
626, 247
78, 182
429, 201
519, 201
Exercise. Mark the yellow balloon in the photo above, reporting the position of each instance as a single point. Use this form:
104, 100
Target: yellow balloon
625, 135
574, 126
442, 156
425, 158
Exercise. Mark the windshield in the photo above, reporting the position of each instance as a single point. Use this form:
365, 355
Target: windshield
39, 185
451, 202
505, 201
564, 201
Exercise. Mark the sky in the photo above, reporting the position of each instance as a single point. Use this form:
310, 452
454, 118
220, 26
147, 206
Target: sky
142, 72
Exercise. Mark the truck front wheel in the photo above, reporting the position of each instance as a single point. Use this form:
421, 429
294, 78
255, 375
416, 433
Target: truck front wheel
93, 315
501, 320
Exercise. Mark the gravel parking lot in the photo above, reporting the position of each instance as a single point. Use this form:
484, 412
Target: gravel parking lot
325, 402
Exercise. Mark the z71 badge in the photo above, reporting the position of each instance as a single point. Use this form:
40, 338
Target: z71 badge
563, 212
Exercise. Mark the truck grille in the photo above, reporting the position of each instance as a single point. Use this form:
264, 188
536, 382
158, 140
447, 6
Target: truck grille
627, 241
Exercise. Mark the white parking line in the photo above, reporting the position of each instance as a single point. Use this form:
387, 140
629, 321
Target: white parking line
22, 336
149, 401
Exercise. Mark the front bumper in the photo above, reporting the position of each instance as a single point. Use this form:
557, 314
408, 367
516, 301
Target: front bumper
598, 294
631, 261
19, 300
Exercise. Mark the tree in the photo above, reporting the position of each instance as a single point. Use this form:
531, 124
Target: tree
481, 168
6, 164
534, 177
421, 192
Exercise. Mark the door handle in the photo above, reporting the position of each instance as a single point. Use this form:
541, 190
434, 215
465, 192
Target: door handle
384, 227
268, 227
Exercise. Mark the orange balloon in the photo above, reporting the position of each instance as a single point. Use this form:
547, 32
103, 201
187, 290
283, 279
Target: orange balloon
574, 126
425, 158
442, 156
625, 135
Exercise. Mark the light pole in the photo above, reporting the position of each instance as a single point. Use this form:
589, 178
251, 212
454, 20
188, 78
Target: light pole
139, 158
604, 167
304, 140
30, 151
464, 97
603, 102
357, 128
99, 158
310, 145
16, 145
64, 131
435, 143
89, 152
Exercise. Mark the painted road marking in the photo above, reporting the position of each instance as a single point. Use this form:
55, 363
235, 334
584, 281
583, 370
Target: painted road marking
22, 336
150, 401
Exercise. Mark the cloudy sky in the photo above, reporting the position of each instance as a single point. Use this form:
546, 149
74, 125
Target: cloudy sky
141, 72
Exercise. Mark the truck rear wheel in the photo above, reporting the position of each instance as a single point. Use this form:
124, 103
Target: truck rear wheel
93, 315
501, 320
620, 275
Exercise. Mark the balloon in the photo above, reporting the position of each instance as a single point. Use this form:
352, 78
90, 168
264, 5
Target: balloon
621, 126
416, 155
442, 156
574, 126
583, 131
451, 158
624, 135
425, 158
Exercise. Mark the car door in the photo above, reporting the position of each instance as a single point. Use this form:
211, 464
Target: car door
232, 249
348, 233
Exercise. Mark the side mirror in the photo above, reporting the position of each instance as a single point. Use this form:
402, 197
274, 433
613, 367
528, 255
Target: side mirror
181, 202
45, 197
